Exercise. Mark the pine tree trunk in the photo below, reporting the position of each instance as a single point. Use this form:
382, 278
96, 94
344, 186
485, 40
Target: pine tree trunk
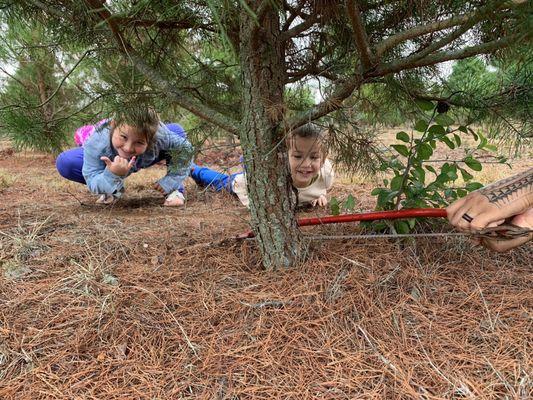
272, 201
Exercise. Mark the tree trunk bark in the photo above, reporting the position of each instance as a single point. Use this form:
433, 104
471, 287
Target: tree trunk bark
272, 200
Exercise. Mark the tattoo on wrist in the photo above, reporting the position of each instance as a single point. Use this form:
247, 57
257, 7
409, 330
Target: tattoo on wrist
509, 189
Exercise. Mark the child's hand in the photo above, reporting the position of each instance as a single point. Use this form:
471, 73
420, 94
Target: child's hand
322, 201
119, 166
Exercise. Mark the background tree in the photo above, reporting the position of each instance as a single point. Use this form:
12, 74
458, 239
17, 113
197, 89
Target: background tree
35, 104
230, 63
498, 94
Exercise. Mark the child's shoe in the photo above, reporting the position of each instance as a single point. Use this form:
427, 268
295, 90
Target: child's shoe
107, 198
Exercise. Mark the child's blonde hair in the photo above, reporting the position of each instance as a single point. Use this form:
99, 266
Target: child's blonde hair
311, 130
144, 119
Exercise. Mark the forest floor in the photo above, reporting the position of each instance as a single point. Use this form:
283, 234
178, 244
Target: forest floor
139, 301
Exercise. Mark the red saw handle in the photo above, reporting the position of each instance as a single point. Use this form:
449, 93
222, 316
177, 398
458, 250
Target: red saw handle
367, 216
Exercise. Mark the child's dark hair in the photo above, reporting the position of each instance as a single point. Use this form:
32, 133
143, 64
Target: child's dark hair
311, 130
144, 119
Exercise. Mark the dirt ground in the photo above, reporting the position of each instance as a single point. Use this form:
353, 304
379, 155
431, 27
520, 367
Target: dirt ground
139, 301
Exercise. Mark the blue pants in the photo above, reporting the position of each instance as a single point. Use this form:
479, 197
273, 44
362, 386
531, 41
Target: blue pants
70, 162
206, 177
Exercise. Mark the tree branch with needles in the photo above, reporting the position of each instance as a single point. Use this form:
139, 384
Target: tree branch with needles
360, 36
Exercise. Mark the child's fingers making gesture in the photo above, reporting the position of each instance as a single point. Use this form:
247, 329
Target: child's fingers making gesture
119, 166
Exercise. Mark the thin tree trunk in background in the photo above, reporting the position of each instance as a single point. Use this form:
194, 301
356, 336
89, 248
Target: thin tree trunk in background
47, 108
272, 201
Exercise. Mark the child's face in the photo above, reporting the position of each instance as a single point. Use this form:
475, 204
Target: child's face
305, 160
127, 142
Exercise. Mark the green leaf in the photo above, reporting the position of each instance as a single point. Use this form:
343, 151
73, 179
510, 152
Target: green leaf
437, 130
483, 142
425, 105
473, 186
457, 139
420, 174
462, 128
334, 206
473, 163
461, 192
349, 203
502, 159
466, 175
400, 148
392, 195
403, 136
396, 182
448, 142
431, 169
374, 192
490, 147
421, 125
444, 119
401, 227
442, 179
452, 174
425, 151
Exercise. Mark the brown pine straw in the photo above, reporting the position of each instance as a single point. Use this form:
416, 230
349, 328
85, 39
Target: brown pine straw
128, 303
104, 314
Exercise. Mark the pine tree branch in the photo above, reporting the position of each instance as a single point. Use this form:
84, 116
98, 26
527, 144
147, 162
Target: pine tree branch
293, 14
439, 44
198, 109
50, 10
360, 36
295, 31
167, 24
485, 48
152, 74
333, 102
436, 26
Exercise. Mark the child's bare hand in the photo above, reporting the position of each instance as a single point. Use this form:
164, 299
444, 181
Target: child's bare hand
322, 201
119, 166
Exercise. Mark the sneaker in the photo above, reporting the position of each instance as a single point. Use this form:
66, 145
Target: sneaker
106, 199
176, 194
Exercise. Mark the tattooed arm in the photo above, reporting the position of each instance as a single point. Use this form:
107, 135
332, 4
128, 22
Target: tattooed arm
493, 204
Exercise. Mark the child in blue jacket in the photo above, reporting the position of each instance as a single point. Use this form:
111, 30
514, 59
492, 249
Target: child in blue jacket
121, 146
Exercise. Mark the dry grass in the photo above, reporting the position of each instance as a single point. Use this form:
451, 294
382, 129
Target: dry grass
129, 301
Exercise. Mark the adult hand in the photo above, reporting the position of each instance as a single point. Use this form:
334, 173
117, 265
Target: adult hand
119, 166
524, 220
474, 212
321, 201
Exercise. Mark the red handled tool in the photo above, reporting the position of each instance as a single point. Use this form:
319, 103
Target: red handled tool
504, 231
